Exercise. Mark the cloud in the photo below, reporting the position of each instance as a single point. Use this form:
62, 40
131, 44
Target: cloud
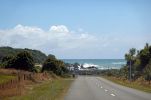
57, 38
59, 29
27, 29
65, 43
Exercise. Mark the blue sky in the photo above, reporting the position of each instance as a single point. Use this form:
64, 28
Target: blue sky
117, 24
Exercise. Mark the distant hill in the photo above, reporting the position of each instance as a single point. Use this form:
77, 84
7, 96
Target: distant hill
38, 56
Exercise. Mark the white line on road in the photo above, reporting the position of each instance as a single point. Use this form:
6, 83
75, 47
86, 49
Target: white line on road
105, 90
112, 95
101, 87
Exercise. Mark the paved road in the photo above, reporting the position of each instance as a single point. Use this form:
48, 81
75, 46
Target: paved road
96, 88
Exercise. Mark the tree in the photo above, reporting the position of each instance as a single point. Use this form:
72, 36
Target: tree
54, 65
8, 61
141, 62
136, 68
147, 71
144, 57
130, 57
2, 55
132, 52
22, 61
147, 46
49, 64
124, 72
6, 58
127, 58
51, 56
37, 55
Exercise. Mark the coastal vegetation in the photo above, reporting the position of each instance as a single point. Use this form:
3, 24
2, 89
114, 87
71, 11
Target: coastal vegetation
54, 90
23, 59
5, 78
137, 71
18, 71
37, 55
56, 66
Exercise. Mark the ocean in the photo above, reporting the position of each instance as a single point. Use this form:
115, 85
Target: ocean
99, 63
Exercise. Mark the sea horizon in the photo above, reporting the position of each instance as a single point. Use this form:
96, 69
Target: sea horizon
99, 63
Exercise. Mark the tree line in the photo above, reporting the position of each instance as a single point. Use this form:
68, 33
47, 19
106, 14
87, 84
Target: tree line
138, 64
24, 61
37, 55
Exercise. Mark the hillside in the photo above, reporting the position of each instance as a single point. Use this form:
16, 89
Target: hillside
38, 56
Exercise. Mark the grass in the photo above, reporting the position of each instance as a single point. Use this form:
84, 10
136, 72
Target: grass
134, 84
6, 78
54, 90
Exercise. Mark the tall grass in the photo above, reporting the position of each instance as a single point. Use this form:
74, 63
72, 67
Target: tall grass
12, 81
6, 78
51, 90
139, 84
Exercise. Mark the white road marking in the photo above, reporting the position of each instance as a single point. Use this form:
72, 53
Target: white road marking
101, 87
105, 90
112, 95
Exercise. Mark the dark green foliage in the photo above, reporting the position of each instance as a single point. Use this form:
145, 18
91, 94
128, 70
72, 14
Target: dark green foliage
124, 72
37, 69
51, 56
147, 71
54, 65
21, 61
49, 64
38, 56
144, 57
6, 51
130, 56
24, 61
140, 65
140, 62
8, 61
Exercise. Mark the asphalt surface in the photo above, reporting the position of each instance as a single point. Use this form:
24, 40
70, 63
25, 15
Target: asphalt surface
96, 88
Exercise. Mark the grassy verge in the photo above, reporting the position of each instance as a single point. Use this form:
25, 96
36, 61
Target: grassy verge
5, 78
135, 84
54, 90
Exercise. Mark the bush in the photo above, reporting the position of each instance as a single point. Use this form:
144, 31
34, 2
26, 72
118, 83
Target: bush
54, 65
147, 71
22, 61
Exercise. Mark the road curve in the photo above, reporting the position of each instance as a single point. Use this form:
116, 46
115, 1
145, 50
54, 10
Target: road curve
97, 88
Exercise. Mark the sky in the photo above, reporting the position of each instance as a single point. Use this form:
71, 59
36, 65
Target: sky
76, 29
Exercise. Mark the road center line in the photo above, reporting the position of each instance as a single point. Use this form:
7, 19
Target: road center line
112, 95
105, 90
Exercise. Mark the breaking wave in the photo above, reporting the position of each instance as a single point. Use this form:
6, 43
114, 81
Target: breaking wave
85, 65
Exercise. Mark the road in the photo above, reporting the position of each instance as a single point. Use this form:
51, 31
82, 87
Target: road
97, 88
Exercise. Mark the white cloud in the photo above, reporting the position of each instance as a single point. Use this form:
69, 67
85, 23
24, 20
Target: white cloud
64, 43
59, 29
27, 29
58, 38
